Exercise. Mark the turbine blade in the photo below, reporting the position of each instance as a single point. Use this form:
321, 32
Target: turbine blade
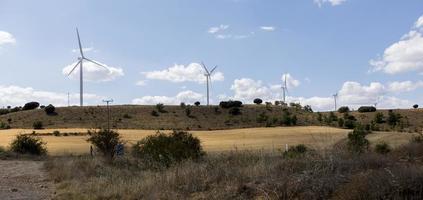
97, 63
211, 72
74, 67
205, 68
79, 42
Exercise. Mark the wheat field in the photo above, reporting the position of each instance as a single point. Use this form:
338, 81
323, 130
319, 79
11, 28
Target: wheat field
272, 139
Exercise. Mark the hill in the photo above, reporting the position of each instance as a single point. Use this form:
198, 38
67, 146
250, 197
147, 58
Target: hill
197, 118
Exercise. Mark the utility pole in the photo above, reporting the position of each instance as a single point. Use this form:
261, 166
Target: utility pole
108, 112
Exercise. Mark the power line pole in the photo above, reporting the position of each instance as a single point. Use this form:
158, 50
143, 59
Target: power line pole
108, 112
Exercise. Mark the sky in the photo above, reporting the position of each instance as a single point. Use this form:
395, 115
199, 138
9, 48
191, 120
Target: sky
368, 52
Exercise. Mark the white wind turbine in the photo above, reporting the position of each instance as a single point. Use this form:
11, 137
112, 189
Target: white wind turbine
335, 97
81, 73
284, 88
208, 78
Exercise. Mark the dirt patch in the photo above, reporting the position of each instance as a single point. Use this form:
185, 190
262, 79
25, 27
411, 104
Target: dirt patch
24, 180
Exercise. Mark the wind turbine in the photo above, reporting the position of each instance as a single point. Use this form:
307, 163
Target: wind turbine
335, 96
81, 73
284, 88
208, 78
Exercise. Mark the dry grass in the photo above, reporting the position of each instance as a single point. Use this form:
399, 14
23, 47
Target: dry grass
245, 175
270, 139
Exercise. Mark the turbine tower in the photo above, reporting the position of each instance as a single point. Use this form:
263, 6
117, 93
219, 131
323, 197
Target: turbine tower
208, 78
81, 71
335, 96
284, 88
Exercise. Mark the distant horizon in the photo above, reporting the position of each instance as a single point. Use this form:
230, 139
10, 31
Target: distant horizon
367, 52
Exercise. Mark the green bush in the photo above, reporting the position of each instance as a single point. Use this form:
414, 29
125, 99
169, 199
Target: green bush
363, 109
56, 133
197, 103
379, 118
357, 142
262, 118
166, 149
188, 111
160, 107
340, 122
382, 148
393, 118
307, 108
296, 151
28, 144
235, 111
105, 141
154, 113
38, 125
127, 116
4, 126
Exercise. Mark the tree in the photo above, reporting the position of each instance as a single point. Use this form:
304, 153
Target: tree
307, 108
363, 109
344, 109
50, 109
160, 107
379, 118
393, 118
31, 106
258, 101
357, 142
415, 106
197, 103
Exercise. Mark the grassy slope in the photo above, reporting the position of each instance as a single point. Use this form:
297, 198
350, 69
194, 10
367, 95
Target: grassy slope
203, 118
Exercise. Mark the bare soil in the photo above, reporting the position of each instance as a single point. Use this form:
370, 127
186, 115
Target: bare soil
24, 180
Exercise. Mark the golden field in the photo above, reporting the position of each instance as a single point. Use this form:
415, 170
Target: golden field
317, 137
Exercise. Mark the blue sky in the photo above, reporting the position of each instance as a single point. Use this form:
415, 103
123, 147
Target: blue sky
367, 51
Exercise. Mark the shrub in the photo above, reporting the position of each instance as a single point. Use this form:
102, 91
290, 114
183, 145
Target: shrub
295, 151
188, 111
340, 122
415, 106
16, 109
154, 113
4, 111
160, 107
235, 111
4, 126
344, 109
319, 117
230, 104
50, 109
286, 118
363, 109
197, 103
105, 141
262, 117
56, 133
27, 144
307, 108
294, 120
379, 118
382, 148
37, 125
31, 106
357, 142
183, 105
258, 101
166, 149
127, 116
393, 118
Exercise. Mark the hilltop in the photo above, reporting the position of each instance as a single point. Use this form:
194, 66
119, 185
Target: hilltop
199, 118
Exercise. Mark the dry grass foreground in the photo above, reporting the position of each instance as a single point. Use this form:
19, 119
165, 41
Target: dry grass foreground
271, 139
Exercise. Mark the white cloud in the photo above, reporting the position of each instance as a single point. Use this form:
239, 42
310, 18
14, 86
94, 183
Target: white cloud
267, 28
184, 96
405, 55
331, 2
291, 82
193, 72
87, 49
352, 94
6, 38
93, 72
217, 29
141, 83
405, 86
18, 96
